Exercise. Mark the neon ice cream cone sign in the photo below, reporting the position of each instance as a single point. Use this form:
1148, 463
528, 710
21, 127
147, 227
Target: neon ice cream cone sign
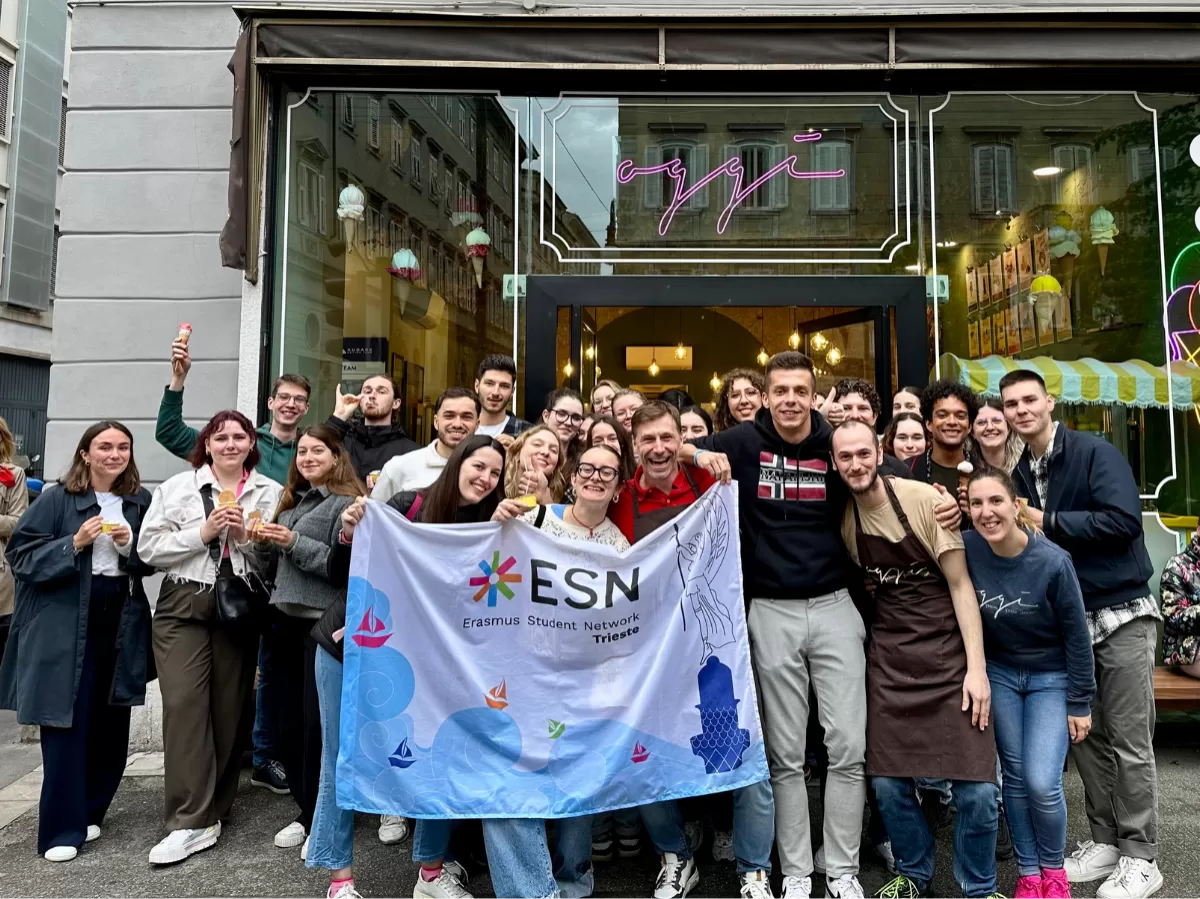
674, 169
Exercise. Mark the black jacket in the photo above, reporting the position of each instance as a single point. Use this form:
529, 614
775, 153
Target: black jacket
43, 662
790, 502
894, 467
370, 448
1093, 511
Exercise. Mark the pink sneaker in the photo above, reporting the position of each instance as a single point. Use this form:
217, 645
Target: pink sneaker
1029, 886
1055, 883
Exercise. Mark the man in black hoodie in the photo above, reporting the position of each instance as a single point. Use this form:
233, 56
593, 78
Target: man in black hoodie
378, 436
1082, 495
804, 628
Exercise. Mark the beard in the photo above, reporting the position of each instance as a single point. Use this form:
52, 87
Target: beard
859, 491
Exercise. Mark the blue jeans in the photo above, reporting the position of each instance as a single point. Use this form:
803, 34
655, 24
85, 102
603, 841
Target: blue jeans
521, 864
664, 826
331, 841
267, 700
1030, 709
913, 844
753, 827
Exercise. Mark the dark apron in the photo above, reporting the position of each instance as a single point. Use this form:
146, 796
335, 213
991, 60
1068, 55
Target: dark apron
916, 665
645, 524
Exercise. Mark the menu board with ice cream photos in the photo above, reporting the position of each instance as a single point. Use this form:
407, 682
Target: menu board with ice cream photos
1029, 338
996, 276
985, 335
1010, 270
1012, 330
1025, 264
973, 338
981, 280
998, 330
1041, 253
1062, 317
972, 297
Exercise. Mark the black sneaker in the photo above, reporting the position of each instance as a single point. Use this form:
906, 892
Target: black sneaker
273, 777
629, 847
1004, 846
938, 814
602, 847
899, 888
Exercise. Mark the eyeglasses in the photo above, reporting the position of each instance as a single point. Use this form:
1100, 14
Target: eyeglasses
286, 399
562, 416
606, 473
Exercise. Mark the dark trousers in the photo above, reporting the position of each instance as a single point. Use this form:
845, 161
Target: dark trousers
268, 698
82, 765
300, 737
206, 674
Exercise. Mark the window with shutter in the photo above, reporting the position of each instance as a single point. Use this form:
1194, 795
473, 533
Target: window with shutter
756, 161
832, 194
777, 187
373, 124
1075, 183
348, 111
694, 158
653, 187
907, 182
1141, 163
5, 83
54, 265
322, 209
397, 130
415, 151
62, 135
992, 179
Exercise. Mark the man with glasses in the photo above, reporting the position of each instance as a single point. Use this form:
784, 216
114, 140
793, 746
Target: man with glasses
277, 445
379, 436
455, 418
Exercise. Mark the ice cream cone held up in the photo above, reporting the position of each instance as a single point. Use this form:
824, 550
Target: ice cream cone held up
478, 245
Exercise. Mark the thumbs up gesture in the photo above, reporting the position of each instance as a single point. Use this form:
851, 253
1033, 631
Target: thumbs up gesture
830, 408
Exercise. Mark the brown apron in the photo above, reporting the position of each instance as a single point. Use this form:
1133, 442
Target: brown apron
916, 665
645, 524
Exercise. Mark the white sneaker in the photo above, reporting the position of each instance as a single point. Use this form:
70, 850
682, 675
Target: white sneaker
755, 885
796, 887
304, 851
1091, 861
291, 836
819, 860
456, 868
346, 892
676, 878
179, 844
93, 833
846, 887
723, 846
447, 886
1134, 878
392, 829
61, 853
884, 851
694, 830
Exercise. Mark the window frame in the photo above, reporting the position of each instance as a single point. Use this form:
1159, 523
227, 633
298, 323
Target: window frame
977, 207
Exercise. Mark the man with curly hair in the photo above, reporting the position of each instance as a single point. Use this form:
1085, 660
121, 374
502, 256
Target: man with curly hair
949, 410
860, 402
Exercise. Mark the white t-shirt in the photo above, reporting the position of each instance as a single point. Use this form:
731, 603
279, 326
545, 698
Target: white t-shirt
105, 553
412, 471
493, 430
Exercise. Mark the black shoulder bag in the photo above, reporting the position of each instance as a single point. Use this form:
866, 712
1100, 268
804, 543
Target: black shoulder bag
239, 601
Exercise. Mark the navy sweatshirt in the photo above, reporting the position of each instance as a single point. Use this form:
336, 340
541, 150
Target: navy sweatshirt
790, 502
1032, 613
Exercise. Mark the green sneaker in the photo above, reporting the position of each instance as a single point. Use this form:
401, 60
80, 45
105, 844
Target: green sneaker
900, 888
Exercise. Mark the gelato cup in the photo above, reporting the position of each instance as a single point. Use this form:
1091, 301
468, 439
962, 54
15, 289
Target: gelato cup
965, 470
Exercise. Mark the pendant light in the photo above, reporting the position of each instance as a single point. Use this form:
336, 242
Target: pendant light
834, 356
653, 369
819, 342
715, 383
794, 337
763, 358
680, 352
568, 369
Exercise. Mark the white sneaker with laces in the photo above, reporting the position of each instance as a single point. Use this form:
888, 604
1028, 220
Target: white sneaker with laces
722, 850
884, 851
445, 887
291, 836
1091, 861
755, 885
845, 887
676, 878
456, 868
179, 844
346, 892
93, 833
819, 860
392, 829
61, 854
1134, 878
796, 887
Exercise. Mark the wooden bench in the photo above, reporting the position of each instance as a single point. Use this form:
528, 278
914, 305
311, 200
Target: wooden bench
1175, 692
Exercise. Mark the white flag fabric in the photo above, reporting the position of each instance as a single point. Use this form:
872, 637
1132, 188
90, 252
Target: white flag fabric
496, 671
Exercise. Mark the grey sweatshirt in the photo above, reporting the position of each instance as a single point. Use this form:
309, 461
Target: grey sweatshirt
302, 587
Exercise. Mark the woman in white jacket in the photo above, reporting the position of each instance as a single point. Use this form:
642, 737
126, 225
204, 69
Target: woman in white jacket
199, 524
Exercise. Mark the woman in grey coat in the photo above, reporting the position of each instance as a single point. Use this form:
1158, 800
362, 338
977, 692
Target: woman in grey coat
321, 484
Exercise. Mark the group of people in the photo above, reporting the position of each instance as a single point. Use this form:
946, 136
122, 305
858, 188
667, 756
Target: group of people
947, 609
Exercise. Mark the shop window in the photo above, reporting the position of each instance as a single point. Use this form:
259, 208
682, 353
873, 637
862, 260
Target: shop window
348, 112
373, 140
1076, 182
992, 177
1141, 161
828, 194
909, 180
659, 192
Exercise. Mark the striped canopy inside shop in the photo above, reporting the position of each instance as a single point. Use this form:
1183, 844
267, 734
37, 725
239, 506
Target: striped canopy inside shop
1133, 383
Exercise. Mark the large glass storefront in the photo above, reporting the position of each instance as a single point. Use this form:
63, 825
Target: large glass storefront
662, 240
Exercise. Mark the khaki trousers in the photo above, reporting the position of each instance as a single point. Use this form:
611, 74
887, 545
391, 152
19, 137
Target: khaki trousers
206, 675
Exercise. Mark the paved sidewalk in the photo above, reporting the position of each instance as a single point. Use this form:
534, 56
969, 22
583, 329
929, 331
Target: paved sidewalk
246, 863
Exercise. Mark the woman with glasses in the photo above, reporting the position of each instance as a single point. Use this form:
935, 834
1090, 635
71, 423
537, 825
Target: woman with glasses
739, 399
564, 414
596, 480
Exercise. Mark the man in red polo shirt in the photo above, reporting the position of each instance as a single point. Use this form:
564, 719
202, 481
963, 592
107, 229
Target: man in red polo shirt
662, 488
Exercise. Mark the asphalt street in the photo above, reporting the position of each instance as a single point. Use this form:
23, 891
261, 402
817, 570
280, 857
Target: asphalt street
246, 863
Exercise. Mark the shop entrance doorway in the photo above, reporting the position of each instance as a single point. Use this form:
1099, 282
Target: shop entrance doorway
657, 332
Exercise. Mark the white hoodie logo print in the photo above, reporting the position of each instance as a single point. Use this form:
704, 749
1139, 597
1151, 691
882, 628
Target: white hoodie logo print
997, 604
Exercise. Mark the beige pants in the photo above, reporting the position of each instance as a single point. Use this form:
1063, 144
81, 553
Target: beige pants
206, 675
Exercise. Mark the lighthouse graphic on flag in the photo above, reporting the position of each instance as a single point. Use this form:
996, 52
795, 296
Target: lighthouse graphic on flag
721, 742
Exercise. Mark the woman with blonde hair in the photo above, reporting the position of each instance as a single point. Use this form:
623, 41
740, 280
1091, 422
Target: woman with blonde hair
14, 500
739, 399
537, 466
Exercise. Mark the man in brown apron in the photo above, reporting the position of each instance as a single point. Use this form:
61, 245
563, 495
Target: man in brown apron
928, 699
661, 489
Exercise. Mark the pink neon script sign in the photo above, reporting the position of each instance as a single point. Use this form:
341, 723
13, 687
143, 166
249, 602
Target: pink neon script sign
677, 172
